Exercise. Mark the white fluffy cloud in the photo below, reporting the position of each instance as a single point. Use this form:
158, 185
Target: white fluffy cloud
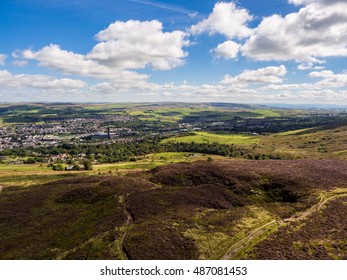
310, 65
329, 87
227, 50
226, 19
330, 79
312, 33
267, 75
10, 81
53, 57
2, 59
123, 47
306, 2
315, 32
136, 45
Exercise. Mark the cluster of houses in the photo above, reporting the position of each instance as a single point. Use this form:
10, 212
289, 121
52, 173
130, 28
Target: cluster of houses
54, 133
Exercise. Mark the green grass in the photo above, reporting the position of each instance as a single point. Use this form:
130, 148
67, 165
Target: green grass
246, 253
293, 132
208, 138
35, 179
130, 166
24, 175
267, 113
313, 143
340, 152
211, 245
174, 114
152, 161
152, 116
214, 242
166, 114
23, 168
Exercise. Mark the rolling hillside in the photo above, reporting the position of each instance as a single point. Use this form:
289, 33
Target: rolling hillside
181, 211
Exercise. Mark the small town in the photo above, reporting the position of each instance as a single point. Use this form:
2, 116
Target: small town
56, 132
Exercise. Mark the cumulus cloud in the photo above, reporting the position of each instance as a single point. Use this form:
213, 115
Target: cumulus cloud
226, 19
308, 36
329, 88
306, 2
292, 87
330, 79
2, 59
123, 47
310, 65
136, 45
267, 75
227, 50
142, 87
53, 57
322, 74
10, 81
312, 33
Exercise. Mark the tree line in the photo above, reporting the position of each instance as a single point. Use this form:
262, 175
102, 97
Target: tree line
116, 152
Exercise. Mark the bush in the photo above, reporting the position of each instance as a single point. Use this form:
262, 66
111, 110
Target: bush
29, 161
76, 167
87, 165
58, 167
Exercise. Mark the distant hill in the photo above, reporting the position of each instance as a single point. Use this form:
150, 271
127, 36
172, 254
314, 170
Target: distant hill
309, 106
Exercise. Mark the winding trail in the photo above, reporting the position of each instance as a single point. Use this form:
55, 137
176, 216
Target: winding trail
125, 227
128, 223
261, 230
64, 254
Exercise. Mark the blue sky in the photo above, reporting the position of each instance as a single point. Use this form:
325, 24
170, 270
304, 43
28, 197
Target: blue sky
284, 51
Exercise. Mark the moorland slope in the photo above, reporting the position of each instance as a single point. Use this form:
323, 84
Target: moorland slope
181, 211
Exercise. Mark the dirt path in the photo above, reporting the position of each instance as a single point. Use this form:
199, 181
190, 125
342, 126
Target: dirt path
259, 231
63, 255
128, 223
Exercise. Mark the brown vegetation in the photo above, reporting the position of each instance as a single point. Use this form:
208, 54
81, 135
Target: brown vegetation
45, 221
323, 236
88, 218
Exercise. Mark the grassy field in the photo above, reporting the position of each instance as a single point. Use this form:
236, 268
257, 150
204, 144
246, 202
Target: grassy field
175, 114
212, 244
206, 137
25, 175
307, 143
294, 132
268, 113
168, 114
33, 174
154, 160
